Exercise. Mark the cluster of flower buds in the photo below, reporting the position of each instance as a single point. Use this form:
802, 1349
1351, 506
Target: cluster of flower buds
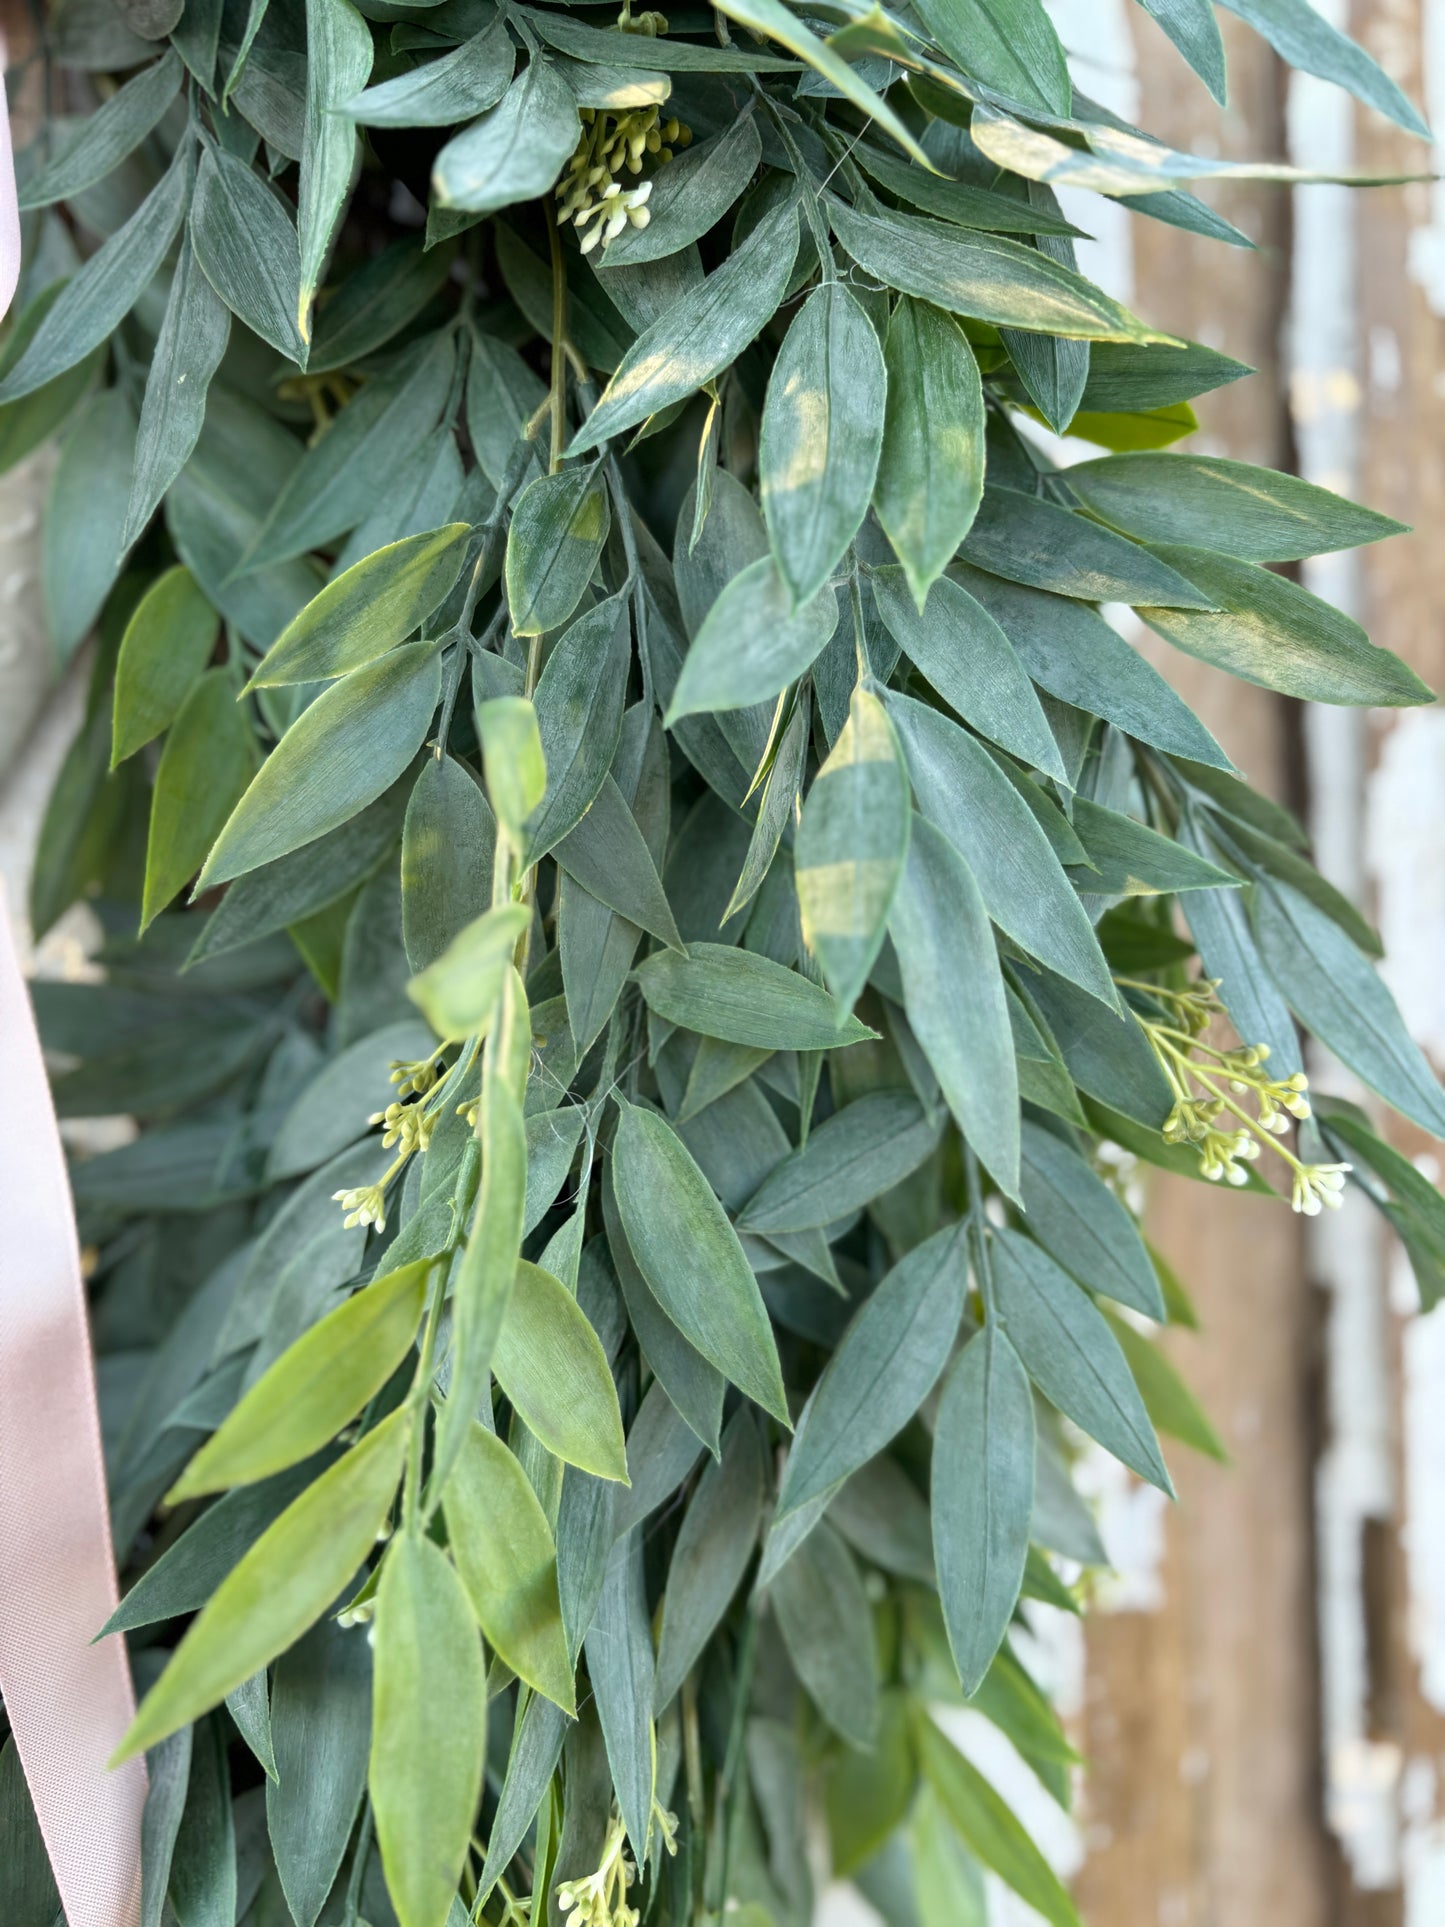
415, 1079
365, 1205
407, 1125
1317, 1187
590, 192
600, 1899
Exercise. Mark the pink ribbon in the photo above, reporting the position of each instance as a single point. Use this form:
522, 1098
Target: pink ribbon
69, 1701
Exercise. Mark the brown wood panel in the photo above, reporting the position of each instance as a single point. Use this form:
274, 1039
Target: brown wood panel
1201, 1807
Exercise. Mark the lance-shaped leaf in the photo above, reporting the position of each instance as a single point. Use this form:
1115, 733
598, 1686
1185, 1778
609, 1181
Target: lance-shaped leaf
516, 150
338, 63
744, 998
691, 195
827, 1627
281, 1586
988, 1826
964, 793
165, 646
246, 243
1054, 370
366, 610
711, 1554
428, 1729
1272, 632
320, 1727
80, 552
1127, 858
850, 848
1078, 1220
556, 535
339, 755
983, 1498
98, 297
1253, 514
512, 760
1303, 39
375, 303
1071, 1355
953, 991
1027, 540
192, 340
102, 141
550, 1363
458, 993
1336, 993
778, 808
205, 766
620, 1668
982, 276
821, 434
487, 1273
971, 663
1193, 28
608, 855
930, 467
753, 642
439, 93
507, 1559
315, 1388
888, 1362
1009, 45
579, 704
699, 335
447, 849
690, 1256
863, 1149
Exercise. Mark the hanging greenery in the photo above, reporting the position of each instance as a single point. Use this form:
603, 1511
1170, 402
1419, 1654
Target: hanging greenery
648, 908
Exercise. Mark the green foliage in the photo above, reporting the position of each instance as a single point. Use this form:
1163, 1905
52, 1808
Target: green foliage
688, 885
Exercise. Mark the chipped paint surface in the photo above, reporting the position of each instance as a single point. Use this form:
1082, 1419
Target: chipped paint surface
1403, 849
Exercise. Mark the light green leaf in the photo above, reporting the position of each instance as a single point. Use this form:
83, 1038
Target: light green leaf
711, 1554
700, 335
505, 1554
366, 610
690, 1256
339, 755
98, 297
989, 1827
458, 993
983, 1497
1336, 993
691, 195
558, 528
827, 1627
439, 93
850, 848
516, 150
888, 1362
1078, 1220
246, 244
971, 663
428, 1729
982, 276
1167, 1399
941, 931
1253, 514
744, 998
1071, 1355
338, 63
167, 643
753, 642
1273, 632
103, 140
192, 340
205, 766
80, 531
1072, 653
513, 761
930, 469
551, 1365
315, 1388
962, 791
821, 434
281, 1585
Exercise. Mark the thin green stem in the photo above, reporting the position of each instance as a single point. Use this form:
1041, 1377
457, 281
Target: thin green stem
419, 1399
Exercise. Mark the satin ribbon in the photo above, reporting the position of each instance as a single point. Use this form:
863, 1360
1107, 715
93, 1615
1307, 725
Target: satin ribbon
69, 1701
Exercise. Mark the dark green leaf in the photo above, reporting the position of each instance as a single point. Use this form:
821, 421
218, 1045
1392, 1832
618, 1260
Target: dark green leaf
516, 150
719, 1532
320, 1726
192, 340
930, 469
827, 1627
246, 243
744, 999
1079, 1221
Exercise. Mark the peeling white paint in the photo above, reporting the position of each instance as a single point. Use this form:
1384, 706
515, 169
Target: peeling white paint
1423, 1532
1403, 848
1423, 1850
1427, 241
